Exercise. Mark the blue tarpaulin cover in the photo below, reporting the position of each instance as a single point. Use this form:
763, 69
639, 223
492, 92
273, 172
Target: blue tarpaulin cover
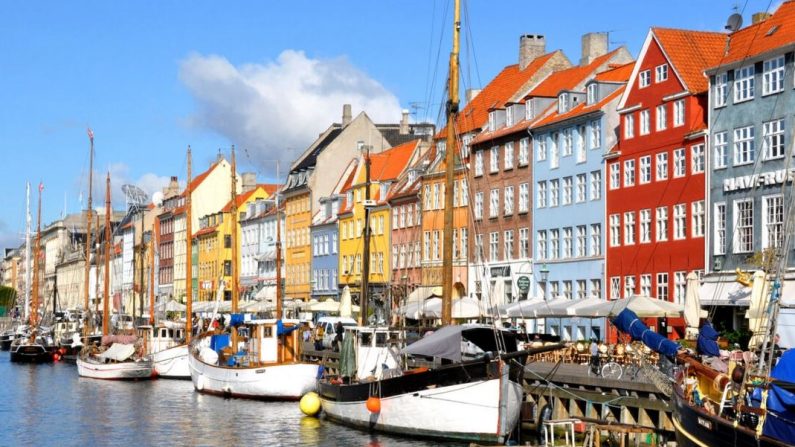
628, 322
707, 341
281, 330
237, 319
219, 342
780, 420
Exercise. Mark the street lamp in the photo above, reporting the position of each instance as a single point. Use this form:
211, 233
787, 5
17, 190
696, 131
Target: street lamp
543, 273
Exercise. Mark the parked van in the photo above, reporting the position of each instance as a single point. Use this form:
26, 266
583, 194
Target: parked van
328, 323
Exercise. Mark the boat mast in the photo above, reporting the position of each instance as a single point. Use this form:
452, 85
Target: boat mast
27, 252
88, 231
450, 148
34, 301
106, 290
364, 300
189, 261
278, 251
152, 276
233, 225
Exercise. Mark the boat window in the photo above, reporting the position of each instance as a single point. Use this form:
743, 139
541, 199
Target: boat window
267, 331
366, 338
163, 332
380, 338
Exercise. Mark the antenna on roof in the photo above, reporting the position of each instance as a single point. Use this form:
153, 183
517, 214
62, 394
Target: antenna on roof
734, 22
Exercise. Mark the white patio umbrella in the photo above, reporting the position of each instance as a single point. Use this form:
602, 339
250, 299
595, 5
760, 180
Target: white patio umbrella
643, 306
556, 308
757, 311
463, 308
576, 307
328, 305
693, 312
346, 303
258, 306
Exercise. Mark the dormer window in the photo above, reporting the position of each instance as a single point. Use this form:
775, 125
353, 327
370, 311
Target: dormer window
412, 176
509, 116
528, 108
563, 102
593, 92
492, 120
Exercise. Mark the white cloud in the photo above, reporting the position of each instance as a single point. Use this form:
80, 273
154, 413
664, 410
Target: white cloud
282, 104
120, 175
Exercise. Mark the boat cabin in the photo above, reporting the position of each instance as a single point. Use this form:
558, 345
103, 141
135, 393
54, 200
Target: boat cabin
377, 349
260, 342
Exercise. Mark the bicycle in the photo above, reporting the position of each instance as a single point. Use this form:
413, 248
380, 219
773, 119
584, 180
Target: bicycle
605, 367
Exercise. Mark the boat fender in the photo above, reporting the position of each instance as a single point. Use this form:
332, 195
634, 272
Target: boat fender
310, 404
373, 404
720, 382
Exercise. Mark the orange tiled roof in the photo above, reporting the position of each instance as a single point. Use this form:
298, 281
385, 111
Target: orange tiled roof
569, 78
205, 230
241, 199
391, 162
270, 188
690, 53
776, 31
580, 109
499, 90
617, 73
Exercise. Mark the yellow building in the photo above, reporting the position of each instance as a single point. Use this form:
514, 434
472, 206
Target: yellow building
385, 168
298, 250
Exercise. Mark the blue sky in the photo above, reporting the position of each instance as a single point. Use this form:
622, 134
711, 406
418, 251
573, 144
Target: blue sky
151, 77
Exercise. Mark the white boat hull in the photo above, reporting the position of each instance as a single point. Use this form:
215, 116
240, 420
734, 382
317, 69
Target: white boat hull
139, 370
276, 382
471, 411
172, 363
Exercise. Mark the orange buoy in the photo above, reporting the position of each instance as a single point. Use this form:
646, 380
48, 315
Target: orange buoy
373, 404
56, 357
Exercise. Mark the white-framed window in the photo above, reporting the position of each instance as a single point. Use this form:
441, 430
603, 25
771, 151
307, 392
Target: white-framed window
744, 226
773, 76
494, 159
662, 118
437, 203
645, 119
596, 288
426, 238
629, 286
596, 133
494, 246
721, 89
582, 237
508, 162
645, 284
773, 139
679, 162
661, 171
629, 228
554, 192
721, 152
566, 290
568, 142
508, 245
679, 112
644, 78
773, 221
719, 247
629, 125
524, 151
596, 185
744, 146
660, 73
492, 120
479, 248
582, 292
661, 224
645, 226
509, 116
436, 245
524, 197
629, 173
662, 286
464, 242
680, 287
567, 190
541, 244
596, 240
744, 83
554, 155
494, 203
541, 148
581, 188
568, 246
554, 244
541, 200
615, 175
479, 205
697, 218
593, 92
697, 159
508, 201
563, 102
524, 243
464, 196
615, 287
581, 149
680, 221
645, 169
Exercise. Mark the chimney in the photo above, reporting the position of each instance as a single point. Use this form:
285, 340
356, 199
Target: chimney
173, 187
346, 114
249, 181
759, 17
593, 46
404, 123
530, 47
220, 157
471, 93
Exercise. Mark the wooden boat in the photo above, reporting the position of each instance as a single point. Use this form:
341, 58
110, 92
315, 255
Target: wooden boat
168, 350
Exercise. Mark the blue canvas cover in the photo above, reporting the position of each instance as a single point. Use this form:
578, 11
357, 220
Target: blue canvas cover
237, 319
628, 322
281, 329
707, 341
219, 342
780, 420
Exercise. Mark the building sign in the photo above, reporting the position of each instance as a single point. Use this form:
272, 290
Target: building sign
501, 271
523, 283
764, 179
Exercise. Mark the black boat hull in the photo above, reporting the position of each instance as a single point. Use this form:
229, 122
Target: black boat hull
31, 354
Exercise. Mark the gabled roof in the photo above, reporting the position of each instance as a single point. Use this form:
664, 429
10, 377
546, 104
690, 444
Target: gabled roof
495, 94
616, 73
196, 181
404, 188
390, 163
569, 78
774, 32
580, 109
242, 198
206, 230
690, 52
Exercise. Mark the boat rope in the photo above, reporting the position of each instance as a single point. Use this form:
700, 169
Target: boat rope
550, 384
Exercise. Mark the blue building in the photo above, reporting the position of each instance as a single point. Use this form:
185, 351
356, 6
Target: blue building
751, 155
258, 250
325, 249
569, 216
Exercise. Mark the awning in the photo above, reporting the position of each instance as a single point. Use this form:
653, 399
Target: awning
424, 292
267, 293
732, 293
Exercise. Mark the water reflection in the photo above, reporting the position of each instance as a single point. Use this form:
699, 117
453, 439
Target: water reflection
51, 405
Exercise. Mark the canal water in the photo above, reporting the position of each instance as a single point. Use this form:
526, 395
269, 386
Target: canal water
43, 405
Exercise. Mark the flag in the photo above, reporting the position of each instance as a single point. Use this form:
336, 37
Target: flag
90, 134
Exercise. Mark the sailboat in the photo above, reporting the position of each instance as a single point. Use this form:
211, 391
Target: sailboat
120, 357
35, 346
8, 337
474, 396
259, 359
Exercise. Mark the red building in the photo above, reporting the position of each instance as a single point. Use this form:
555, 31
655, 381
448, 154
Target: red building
656, 212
